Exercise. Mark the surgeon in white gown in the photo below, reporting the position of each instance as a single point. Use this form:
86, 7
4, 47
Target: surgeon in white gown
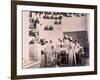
71, 53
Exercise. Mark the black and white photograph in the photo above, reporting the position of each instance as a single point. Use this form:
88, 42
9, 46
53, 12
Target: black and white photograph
53, 39
63, 39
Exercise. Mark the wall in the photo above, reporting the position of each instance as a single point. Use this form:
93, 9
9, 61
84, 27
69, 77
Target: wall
25, 36
71, 24
5, 41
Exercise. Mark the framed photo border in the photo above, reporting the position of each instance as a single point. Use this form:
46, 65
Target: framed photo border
14, 4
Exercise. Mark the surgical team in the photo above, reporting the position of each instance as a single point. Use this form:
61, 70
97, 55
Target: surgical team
66, 51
